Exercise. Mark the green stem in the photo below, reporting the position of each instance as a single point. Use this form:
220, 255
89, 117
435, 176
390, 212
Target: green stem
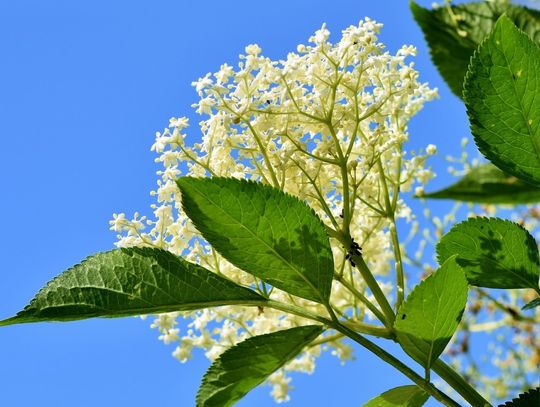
392, 360
326, 339
372, 347
375, 288
346, 241
262, 149
459, 384
400, 275
364, 300
347, 329
400, 279
368, 329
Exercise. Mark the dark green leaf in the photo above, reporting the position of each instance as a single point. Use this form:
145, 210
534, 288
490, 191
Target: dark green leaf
530, 398
452, 43
263, 231
131, 281
500, 93
403, 396
488, 184
533, 304
494, 253
246, 365
431, 313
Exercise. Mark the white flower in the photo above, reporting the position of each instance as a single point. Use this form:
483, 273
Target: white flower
253, 49
202, 83
320, 36
431, 149
183, 354
169, 336
225, 72
118, 222
179, 122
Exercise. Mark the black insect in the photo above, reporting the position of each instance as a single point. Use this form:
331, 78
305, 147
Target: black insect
403, 316
355, 250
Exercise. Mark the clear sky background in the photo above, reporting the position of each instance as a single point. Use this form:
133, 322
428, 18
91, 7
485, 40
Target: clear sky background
84, 85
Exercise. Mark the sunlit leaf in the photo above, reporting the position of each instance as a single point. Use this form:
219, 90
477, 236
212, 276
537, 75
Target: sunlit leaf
263, 231
403, 396
430, 315
249, 363
131, 281
494, 253
500, 92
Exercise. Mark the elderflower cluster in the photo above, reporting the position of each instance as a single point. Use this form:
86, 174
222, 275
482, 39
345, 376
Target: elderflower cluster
329, 118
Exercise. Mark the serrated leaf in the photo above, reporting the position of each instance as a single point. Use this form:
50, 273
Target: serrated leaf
488, 184
494, 253
263, 231
533, 304
249, 363
454, 33
431, 313
131, 281
403, 396
500, 93
530, 398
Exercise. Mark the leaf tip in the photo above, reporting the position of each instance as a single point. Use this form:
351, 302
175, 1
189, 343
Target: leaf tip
504, 20
533, 304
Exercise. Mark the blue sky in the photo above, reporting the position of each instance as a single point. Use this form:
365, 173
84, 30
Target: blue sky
83, 87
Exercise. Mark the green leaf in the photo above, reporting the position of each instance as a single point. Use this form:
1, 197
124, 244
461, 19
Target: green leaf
452, 43
488, 184
246, 365
494, 253
263, 231
530, 398
431, 313
403, 396
533, 304
131, 281
500, 93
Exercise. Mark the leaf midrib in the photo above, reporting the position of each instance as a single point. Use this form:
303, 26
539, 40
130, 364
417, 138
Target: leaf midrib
22, 317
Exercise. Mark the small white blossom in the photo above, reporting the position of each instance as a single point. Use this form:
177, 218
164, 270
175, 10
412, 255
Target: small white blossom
431, 149
253, 49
